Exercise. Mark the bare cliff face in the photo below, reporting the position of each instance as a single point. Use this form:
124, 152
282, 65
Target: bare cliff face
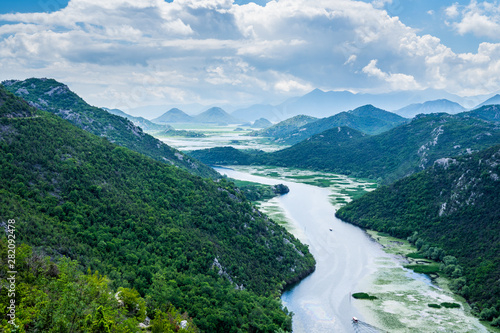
470, 180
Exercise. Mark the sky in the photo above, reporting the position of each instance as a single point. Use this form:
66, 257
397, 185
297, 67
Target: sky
130, 53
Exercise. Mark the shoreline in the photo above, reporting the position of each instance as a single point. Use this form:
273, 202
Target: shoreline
403, 296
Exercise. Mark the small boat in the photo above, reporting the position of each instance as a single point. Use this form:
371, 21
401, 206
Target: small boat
331, 229
354, 319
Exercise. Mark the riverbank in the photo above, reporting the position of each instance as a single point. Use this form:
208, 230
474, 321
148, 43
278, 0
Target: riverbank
407, 301
350, 260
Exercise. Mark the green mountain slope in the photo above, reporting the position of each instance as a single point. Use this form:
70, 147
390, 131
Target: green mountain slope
285, 127
177, 238
453, 205
55, 97
388, 156
396, 153
367, 119
58, 297
141, 122
489, 113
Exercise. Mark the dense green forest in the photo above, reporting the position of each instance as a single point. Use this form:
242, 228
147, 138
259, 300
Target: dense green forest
285, 127
489, 113
178, 239
367, 119
52, 96
386, 157
59, 297
451, 210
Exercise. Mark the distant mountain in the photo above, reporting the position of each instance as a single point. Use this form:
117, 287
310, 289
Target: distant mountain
490, 113
216, 115
453, 206
257, 111
367, 119
490, 101
143, 123
55, 97
262, 123
174, 116
154, 111
437, 106
320, 103
396, 153
391, 155
284, 127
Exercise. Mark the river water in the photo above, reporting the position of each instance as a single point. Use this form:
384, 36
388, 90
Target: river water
345, 255
348, 260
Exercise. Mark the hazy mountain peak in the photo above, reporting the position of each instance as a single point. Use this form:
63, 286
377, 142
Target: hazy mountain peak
434, 106
490, 101
216, 115
174, 115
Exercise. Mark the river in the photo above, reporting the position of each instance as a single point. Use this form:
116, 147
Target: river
345, 255
348, 260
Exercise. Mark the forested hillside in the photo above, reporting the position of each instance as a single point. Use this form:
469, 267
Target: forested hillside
489, 113
285, 127
367, 119
453, 206
59, 297
387, 157
50, 95
176, 238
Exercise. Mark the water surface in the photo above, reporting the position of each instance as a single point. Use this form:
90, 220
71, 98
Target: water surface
349, 261
322, 302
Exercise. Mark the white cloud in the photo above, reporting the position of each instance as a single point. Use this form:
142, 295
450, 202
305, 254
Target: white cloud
479, 18
381, 3
452, 11
352, 58
146, 51
292, 85
398, 81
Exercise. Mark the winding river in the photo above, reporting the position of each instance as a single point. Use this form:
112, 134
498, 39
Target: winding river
345, 255
349, 261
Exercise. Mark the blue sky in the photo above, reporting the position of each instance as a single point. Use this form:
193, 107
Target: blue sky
128, 53
31, 6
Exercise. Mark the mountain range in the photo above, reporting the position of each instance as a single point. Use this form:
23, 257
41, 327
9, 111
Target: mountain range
214, 115
319, 103
437, 106
141, 122
367, 119
391, 155
55, 97
154, 229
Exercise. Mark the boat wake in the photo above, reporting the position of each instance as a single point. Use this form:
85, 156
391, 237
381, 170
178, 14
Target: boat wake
363, 327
